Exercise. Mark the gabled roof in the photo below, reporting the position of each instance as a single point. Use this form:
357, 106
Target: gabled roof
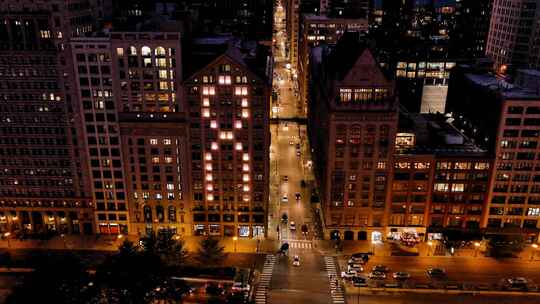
365, 72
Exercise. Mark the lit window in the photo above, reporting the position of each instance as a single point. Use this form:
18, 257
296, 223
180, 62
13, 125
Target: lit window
224, 79
213, 124
244, 103
238, 124
381, 165
210, 187
215, 146
155, 160
230, 135
206, 102
209, 90
458, 187
209, 167
345, 95
533, 212
239, 146
209, 177
240, 91
153, 141
481, 166
246, 188
168, 160
245, 167
145, 195
170, 186
208, 156
45, 34
170, 195
163, 85
120, 51
245, 157
245, 177
167, 141
245, 113
222, 135
146, 51
442, 187
210, 197
424, 165
159, 196
206, 112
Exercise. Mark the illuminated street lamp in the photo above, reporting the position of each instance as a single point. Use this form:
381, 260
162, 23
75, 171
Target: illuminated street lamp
120, 236
476, 248
6, 235
235, 238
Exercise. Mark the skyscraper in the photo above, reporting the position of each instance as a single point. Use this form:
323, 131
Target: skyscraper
43, 184
514, 34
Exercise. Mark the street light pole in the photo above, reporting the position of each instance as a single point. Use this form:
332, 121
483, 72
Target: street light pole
235, 238
535, 248
476, 247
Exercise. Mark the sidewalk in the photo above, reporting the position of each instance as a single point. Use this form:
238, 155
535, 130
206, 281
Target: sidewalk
111, 243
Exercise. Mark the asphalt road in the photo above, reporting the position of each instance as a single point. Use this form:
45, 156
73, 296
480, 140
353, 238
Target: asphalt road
307, 283
466, 270
439, 299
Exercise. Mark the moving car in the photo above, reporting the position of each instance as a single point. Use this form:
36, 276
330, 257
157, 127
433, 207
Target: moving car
285, 178
285, 198
298, 153
400, 275
292, 225
350, 274
377, 275
436, 273
380, 268
356, 266
291, 142
296, 261
298, 196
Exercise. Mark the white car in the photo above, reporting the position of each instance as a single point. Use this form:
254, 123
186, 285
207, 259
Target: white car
292, 225
296, 261
349, 274
356, 266
285, 198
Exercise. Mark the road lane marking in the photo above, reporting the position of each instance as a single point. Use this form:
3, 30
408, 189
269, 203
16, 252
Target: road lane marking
264, 280
336, 292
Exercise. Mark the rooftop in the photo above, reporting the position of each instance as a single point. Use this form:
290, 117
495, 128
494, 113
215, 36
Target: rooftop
433, 134
524, 87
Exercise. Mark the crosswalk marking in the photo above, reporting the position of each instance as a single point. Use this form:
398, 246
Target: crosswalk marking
299, 244
264, 280
336, 292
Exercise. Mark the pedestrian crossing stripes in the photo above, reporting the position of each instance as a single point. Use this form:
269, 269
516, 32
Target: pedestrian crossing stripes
264, 279
336, 292
299, 244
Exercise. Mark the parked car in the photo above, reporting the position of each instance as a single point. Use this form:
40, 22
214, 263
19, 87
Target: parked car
292, 225
285, 198
359, 281
517, 282
377, 275
400, 275
436, 273
284, 218
298, 196
349, 274
380, 268
285, 178
296, 261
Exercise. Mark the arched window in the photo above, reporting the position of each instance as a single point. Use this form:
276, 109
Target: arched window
132, 51
172, 214
147, 214
160, 213
160, 51
146, 51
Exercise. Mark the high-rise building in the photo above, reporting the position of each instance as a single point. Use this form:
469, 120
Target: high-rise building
509, 132
292, 26
44, 184
228, 105
352, 126
316, 30
440, 177
514, 34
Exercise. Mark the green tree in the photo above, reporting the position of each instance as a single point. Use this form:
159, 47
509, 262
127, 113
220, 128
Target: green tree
210, 253
56, 279
505, 245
